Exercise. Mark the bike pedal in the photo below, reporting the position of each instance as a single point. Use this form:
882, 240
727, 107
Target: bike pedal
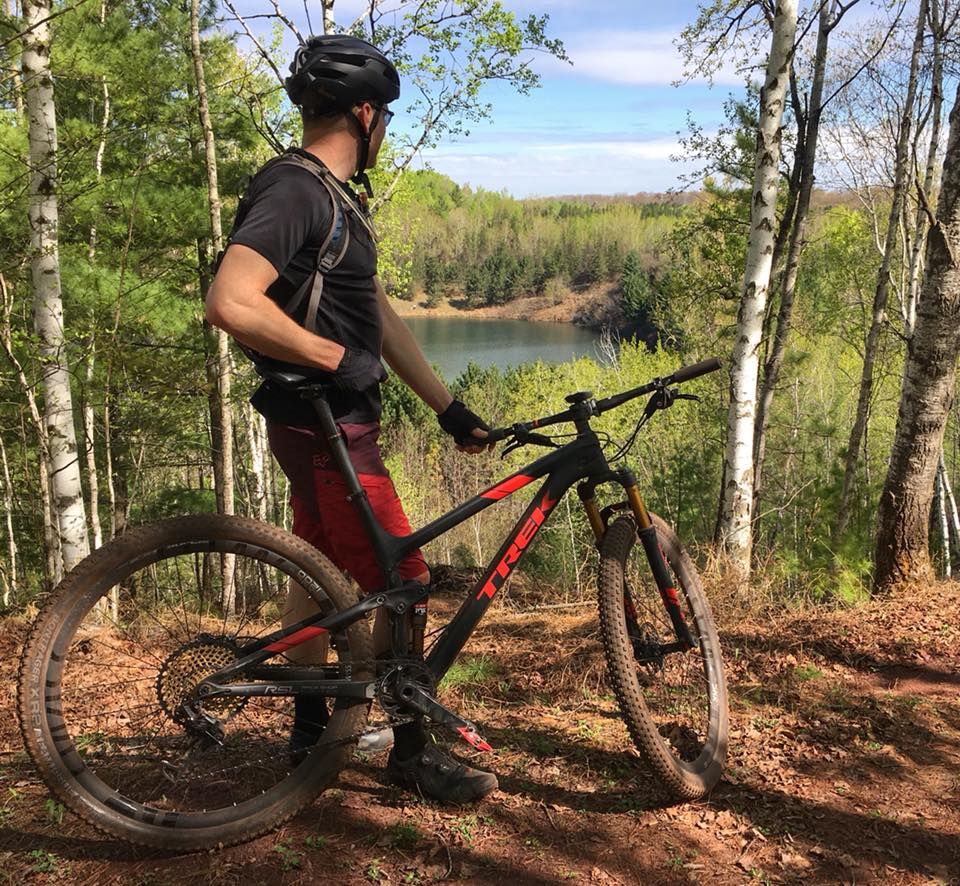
471, 737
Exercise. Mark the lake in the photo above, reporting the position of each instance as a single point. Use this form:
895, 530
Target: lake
453, 342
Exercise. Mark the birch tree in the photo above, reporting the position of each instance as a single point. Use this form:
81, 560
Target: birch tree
43, 214
8, 576
16, 81
736, 510
929, 381
808, 138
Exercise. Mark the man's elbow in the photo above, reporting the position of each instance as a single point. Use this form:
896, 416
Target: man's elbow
218, 309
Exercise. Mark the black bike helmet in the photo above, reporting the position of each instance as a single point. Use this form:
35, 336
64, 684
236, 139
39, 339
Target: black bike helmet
337, 71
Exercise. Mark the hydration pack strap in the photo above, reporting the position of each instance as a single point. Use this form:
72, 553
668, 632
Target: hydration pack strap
332, 249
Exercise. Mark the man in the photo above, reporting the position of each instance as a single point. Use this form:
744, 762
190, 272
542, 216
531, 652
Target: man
290, 216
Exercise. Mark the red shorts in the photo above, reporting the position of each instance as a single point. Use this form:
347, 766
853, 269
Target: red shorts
321, 513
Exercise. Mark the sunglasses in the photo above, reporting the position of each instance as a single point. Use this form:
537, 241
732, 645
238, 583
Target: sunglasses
387, 115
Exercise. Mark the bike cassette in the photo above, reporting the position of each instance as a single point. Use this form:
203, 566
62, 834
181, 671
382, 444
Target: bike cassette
187, 667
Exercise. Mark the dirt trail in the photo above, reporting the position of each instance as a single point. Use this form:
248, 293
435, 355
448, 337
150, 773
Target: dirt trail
845, 768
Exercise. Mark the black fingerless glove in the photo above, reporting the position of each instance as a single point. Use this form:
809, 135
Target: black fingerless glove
459, 422
358, 370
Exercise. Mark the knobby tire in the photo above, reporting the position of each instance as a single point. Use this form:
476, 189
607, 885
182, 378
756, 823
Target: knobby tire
674, 706
71, 764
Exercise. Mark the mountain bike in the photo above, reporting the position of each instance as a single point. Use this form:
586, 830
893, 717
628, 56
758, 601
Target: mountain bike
157, 684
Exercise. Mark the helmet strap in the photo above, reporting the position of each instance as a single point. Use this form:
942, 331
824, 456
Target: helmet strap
360, 177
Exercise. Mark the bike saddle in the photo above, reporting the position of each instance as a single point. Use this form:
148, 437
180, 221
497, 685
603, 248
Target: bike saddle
291, 377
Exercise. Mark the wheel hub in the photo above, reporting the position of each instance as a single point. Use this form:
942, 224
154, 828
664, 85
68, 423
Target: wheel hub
647, 648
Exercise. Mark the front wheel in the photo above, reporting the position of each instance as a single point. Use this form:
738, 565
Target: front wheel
673, 702
121, 645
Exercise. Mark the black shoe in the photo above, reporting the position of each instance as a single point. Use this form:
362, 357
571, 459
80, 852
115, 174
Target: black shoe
436, 774
310, 718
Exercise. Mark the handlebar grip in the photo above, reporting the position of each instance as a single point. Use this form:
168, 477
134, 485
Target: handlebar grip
685, 373
495, 435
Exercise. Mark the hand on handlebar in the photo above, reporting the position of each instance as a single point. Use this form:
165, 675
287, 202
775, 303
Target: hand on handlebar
479, 446
465, 427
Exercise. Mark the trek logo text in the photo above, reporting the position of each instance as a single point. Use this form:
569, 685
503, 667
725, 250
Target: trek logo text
524, 536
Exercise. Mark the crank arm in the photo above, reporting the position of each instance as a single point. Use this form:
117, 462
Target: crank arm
414, 697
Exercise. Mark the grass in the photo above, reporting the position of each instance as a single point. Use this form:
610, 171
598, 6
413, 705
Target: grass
405, 836
807, 672
290, 859
469, 670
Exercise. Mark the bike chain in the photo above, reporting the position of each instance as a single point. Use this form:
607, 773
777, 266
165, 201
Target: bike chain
393, 722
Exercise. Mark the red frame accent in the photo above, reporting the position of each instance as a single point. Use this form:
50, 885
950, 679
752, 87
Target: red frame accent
296, 639
523, 537
511, 484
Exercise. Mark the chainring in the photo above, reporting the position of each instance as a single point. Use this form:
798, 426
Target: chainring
387, 696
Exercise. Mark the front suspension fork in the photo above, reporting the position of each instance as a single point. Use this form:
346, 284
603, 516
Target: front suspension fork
647, 534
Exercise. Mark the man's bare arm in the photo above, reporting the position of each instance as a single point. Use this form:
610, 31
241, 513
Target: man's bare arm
238, 303
402, 351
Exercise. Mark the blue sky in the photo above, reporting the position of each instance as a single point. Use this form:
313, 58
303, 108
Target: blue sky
607, 124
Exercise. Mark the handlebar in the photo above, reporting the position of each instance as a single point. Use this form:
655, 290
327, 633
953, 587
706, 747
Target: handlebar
598, 407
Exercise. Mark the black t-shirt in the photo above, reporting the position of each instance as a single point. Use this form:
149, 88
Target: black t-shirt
289, 216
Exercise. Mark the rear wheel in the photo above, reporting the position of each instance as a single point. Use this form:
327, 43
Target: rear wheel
127, 637
674, 703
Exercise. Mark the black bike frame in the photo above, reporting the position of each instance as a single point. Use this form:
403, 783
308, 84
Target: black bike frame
582, 459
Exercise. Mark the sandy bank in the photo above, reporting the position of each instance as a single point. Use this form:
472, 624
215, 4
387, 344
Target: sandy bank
592, 306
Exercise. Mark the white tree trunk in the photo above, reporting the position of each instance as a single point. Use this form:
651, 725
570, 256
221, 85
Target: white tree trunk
10, 8
257, 430
47, 302
102, 145
89, 433
329, 23
51, 544
952, 512
797, 243
735, 520
224, 458
942, 513
10, 574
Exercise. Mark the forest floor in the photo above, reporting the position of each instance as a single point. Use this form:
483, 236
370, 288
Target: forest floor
594, 306
844, 768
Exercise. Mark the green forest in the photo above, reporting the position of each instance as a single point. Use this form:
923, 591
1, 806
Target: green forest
146, 376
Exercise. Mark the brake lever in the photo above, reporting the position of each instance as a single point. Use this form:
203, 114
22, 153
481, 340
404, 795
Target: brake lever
664, 398
525, 438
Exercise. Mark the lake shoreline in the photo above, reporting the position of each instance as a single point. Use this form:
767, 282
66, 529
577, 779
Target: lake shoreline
591, 307
453, 342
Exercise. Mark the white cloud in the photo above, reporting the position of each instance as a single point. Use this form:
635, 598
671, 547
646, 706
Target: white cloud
600, 167
634, 57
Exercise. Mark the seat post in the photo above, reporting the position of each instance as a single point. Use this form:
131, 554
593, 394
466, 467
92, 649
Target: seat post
357, 494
